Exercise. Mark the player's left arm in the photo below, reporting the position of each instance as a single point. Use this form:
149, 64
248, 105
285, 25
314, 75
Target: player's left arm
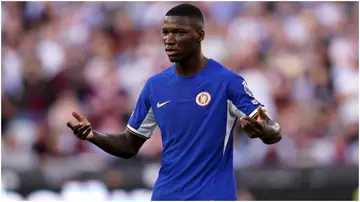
262, 126
252, 115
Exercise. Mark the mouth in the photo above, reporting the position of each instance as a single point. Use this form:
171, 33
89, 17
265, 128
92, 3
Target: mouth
171, 52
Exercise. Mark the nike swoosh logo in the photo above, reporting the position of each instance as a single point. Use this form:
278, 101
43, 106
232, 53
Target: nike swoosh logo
162, 104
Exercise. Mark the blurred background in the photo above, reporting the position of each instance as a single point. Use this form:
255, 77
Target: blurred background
300, 59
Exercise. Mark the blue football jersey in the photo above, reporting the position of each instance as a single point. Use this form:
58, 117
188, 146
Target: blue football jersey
196, 116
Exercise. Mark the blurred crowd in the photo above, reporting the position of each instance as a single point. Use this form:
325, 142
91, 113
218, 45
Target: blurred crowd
299, 59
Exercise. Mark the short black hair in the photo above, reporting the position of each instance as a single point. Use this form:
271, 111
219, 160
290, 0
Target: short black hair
187, 10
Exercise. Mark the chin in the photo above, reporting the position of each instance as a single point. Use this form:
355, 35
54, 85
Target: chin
174, 59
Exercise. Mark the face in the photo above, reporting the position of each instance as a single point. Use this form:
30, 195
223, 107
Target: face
181, 38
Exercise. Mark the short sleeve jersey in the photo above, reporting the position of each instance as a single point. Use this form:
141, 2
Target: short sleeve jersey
196, 116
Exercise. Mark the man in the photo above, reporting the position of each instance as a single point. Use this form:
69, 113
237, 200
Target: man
196, 103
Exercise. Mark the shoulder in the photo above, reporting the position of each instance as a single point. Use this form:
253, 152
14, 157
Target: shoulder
160, 77
225, 73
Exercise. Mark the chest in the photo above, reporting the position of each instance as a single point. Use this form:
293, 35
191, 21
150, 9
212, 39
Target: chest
187, 102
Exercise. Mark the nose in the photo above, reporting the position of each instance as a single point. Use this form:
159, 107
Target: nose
169, 39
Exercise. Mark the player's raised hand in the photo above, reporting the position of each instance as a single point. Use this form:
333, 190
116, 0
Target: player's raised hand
263, 127
82, 129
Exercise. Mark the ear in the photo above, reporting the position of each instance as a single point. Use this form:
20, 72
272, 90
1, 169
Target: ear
201, 35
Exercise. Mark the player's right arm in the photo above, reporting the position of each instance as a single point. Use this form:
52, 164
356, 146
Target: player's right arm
127, 144
124, 145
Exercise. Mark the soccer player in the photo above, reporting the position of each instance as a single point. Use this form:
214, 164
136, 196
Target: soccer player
195, 103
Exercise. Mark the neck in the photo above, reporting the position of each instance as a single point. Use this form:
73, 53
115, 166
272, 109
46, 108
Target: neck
191, 65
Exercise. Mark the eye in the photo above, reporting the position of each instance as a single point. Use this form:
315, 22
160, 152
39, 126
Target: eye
180, 32
165, 32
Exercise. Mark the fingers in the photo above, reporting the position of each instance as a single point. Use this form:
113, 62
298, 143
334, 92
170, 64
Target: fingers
251, 133
254, 129
70, 125
251, 130
82, 131
253, 121
259, 108
243, 122
261, 112
78, 116
76, 127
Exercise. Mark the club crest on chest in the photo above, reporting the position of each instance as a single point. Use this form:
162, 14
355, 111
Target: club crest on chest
203, 99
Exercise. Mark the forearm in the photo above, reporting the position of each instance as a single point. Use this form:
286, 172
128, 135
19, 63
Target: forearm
115, 144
